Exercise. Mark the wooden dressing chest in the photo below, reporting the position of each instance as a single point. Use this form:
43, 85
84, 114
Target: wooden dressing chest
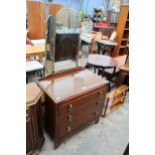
74, 99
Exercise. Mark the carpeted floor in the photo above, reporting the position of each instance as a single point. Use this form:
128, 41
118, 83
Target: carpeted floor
109, 137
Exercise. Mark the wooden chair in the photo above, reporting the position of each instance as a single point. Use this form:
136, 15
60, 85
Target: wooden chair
115, 99
113, 72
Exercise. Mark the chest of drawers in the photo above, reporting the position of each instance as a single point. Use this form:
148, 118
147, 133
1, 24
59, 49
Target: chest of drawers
74, 99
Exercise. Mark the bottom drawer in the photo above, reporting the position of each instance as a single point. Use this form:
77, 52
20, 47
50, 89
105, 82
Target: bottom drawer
66, 128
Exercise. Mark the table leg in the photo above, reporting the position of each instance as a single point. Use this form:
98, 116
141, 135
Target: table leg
26, 79
94, 69
102, 72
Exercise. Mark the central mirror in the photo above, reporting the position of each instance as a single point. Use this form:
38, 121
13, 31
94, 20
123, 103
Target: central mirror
62, 40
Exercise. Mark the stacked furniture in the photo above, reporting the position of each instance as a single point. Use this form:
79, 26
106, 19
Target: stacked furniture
34, 133
115, 99
34, 63
74, 99
122, 30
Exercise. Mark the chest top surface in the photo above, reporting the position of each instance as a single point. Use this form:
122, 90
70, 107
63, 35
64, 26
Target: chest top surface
68, 85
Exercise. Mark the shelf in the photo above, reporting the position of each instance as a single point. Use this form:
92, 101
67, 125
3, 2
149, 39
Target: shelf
122, 31
126, 34
113, 22
123, 46
122, 51
125, 39
124, 43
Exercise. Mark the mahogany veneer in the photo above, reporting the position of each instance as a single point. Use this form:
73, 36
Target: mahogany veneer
74, 99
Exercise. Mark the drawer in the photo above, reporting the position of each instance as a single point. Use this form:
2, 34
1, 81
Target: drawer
67, 128
85, 100
81, 112
72, 121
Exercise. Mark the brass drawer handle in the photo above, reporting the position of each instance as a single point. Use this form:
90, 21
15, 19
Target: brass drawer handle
70, 108
69, 129
69, 118
100, 92
95, 113
99, 102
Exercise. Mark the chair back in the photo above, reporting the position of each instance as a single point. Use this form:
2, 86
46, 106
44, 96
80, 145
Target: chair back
121, 60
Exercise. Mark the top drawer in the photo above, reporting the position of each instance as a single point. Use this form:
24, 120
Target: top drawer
95, 96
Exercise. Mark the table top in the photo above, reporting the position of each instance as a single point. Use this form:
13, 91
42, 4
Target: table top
33, 93
108, 42
125, 68
38, 41
33, 65
87, 37
71, 84
35, 49
103, 61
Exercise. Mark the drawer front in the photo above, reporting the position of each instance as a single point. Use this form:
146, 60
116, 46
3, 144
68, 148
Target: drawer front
81, 112
66, 128
90, 108
86, 100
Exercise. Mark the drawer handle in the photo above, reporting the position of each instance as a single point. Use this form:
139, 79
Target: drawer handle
95, 113
70, 108
100, 92
69, 118
99, 102
69, 129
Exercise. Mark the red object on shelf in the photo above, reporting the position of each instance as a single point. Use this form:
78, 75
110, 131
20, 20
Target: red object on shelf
28, 41
104, 25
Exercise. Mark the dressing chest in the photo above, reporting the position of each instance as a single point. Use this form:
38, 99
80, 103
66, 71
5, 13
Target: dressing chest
74, 99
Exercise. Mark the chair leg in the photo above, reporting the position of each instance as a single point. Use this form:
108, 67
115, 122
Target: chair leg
39, 73
106, 106
26, 79
43, 72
